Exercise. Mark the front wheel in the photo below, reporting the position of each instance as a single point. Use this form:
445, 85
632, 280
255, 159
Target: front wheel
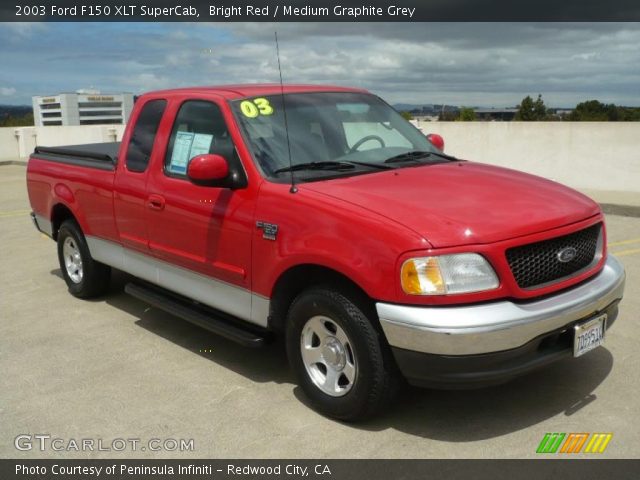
83, 275
340, 360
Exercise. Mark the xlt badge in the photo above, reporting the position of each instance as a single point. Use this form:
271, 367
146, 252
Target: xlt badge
269, 230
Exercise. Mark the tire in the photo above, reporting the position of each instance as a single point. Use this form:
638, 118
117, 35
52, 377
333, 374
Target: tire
84, 277
341, 361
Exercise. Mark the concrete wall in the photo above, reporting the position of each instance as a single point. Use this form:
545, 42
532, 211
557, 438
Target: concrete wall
8, 144
584, 155
17, 143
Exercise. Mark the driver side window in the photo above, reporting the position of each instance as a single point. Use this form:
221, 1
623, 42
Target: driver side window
199, 128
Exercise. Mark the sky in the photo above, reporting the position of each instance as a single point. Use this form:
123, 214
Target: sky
470, 64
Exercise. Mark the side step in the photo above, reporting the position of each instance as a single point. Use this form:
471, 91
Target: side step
202, 316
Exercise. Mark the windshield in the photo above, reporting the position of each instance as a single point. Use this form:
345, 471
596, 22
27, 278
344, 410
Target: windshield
330, 134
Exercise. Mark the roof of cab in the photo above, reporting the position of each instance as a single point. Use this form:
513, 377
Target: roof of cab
232, 92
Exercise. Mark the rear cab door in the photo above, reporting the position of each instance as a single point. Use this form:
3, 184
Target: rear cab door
141, 143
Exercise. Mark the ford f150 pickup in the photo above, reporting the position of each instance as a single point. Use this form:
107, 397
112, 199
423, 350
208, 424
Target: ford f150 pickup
318, 214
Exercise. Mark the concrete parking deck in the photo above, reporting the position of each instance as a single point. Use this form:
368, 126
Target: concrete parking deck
116, 368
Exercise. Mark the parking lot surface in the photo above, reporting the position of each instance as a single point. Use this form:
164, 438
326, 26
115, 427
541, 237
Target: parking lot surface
116, 368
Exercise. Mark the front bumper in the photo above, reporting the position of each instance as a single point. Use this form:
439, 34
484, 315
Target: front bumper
492, 342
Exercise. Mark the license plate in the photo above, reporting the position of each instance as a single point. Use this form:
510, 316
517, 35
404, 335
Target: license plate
589, 335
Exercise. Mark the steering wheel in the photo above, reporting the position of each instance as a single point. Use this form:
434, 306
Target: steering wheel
366, 139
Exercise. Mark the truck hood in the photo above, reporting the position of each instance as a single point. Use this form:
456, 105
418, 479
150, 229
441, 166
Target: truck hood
462, 203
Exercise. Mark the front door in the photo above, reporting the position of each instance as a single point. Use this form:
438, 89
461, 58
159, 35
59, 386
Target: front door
205, 231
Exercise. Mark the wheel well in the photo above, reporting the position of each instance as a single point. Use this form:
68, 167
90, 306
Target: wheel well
59, 214
297, 279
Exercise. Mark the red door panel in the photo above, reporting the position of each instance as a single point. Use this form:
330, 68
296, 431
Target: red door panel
200, 228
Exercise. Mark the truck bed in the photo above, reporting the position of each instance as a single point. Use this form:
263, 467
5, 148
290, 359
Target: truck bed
94, 155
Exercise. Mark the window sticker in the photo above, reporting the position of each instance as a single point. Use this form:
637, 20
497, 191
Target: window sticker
186, 146
180, 156
259, 106
201, 144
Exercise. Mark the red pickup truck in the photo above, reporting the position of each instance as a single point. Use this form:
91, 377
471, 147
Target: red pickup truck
319, 214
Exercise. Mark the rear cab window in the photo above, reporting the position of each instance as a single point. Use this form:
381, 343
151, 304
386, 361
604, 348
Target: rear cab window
144, 134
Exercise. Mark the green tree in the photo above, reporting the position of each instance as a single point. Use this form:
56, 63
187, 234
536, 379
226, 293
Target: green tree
406, 115
595, 111
629, 114
531, 110
447, 116
21, 121
466, 114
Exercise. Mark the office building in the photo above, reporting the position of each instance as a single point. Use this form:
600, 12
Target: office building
84, 107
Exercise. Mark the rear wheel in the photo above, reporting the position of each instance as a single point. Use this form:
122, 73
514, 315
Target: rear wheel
84, 276
340, 359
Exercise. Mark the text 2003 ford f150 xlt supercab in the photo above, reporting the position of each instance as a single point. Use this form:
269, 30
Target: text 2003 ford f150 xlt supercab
387, 258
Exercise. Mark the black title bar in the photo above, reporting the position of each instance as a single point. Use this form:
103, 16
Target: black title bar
323, 11
537, 469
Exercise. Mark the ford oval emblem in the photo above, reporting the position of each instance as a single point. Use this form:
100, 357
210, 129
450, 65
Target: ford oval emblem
566, 254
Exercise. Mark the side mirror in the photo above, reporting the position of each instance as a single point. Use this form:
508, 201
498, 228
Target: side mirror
436, 140
208, 170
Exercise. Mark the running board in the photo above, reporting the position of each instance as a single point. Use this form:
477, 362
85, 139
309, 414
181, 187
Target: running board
202, 316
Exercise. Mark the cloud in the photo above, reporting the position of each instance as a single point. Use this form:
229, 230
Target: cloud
585, 56
480, 64
24, 30
7, 91
145, 82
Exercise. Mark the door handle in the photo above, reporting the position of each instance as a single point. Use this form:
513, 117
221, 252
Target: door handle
155, 202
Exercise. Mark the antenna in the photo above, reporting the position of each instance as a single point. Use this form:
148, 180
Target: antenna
293, 188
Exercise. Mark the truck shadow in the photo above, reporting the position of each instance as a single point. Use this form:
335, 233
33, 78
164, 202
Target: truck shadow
266, 364
450, 416
471, 415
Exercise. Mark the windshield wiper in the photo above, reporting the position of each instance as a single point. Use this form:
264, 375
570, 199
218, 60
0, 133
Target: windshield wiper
381, 166
416, 155
408, 157
325, 165
448, 157
331, 165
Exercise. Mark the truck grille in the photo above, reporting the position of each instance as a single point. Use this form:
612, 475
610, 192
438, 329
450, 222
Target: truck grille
540, 263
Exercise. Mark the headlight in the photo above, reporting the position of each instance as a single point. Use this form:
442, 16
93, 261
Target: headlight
447, 274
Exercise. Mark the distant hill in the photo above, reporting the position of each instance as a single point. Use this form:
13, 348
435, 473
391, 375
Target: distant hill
15, 110
425, 109
16, 115
407, 107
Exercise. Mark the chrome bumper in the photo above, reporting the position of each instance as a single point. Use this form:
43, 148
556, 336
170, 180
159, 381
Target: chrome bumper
497, 326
